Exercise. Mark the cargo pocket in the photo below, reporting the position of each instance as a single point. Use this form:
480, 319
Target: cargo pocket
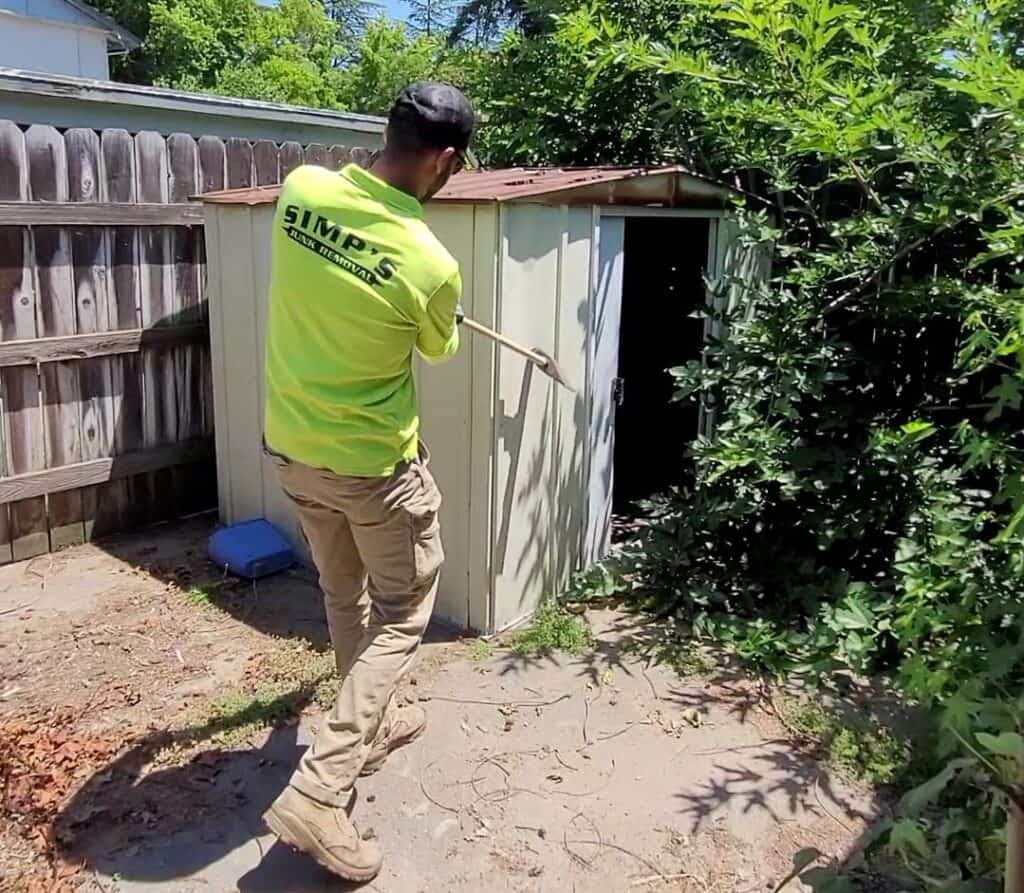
427, 551
425, 528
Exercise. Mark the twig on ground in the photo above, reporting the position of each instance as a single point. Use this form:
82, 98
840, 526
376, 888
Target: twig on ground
565, 839
824, 808
738, 748
597, 790
628, 727
650, 682
614, 846
16, 608
586, 719
557, 700
558, 757
436, 803
665, 878
498, 796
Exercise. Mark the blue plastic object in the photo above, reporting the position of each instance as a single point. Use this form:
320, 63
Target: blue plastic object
251, 549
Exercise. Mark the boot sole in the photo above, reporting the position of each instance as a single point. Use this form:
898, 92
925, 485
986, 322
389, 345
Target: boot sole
280, 828
399, 742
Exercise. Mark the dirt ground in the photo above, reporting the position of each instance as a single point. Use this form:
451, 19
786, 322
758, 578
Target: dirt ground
150, 710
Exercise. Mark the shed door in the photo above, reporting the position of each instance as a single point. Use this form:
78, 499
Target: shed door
606, 313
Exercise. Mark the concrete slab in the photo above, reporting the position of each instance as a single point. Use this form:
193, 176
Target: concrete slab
586, 774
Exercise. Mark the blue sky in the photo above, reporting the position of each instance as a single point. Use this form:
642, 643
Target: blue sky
395, 9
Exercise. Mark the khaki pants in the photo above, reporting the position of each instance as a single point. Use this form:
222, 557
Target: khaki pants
376, 543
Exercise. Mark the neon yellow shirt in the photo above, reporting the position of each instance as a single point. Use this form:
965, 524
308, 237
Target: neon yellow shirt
358, 282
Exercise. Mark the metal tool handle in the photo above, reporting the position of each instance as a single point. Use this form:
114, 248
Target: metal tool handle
532, 355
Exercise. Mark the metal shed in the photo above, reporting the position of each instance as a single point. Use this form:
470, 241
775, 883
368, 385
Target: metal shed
527, 468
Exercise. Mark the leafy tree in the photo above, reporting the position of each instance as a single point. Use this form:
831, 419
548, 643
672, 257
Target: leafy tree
285, 52
572, 113
481, 22
387, 59
433, 18
290, 58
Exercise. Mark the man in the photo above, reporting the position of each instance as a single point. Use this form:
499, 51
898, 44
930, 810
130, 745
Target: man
358, 283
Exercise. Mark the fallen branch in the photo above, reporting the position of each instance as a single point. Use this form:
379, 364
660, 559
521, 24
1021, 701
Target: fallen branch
664, 879
483, 703
614, 846
824, 809
15, 609
436, 802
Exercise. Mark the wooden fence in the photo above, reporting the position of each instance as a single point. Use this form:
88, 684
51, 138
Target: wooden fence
107, 418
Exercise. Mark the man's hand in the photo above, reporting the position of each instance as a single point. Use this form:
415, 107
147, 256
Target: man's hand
460, 315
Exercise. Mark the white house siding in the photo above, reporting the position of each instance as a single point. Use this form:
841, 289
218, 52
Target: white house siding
55, 47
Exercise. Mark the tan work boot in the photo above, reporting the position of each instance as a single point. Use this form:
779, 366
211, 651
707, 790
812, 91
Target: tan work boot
401, 726
324, 832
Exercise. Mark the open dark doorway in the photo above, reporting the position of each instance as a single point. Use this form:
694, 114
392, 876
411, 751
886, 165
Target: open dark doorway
665, 258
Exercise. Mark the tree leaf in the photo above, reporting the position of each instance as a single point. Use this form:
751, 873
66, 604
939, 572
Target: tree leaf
906, 837
915, 801
1007, 744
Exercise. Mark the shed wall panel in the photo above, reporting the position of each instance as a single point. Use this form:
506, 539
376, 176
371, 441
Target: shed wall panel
277, 507
483, 430
569, 440
446, 399
240, 244
531, 239
605, 315
215, 218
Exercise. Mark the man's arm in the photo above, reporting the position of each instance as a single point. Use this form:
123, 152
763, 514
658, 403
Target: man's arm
438, 339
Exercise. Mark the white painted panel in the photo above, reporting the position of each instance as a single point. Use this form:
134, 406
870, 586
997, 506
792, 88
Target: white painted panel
92, 55
214, 294
277, 508
606, 314
37, 45
532, 236
445, 399
570, 436
482, 305
241, 361
59, 11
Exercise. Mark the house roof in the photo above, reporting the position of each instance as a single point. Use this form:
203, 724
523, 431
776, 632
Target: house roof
116, 32
64, 101
664, 186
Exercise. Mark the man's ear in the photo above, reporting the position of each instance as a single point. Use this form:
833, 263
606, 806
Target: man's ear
444, 159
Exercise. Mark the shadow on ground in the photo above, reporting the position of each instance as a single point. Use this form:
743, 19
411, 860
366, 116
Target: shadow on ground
143, 825
776, 777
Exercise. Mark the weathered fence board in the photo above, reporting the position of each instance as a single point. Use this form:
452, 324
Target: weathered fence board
316, 154
61, 391
291, 156
119, 509
239, 157
90, 251
105, 368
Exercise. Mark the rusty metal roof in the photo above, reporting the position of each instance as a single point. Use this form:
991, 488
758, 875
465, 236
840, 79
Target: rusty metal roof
666, 186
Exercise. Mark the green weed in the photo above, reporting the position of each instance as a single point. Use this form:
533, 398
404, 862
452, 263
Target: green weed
278, 688
854, 746
199, 597
480, 650
553, 629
